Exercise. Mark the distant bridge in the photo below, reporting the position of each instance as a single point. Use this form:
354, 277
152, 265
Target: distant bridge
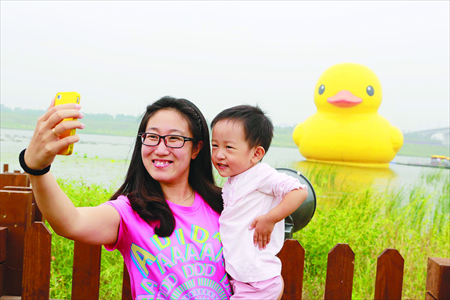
428, 133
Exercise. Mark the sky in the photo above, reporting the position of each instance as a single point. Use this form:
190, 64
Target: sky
122, 56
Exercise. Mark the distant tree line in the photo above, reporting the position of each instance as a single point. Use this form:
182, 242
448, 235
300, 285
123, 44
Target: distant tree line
106, 124
124, 125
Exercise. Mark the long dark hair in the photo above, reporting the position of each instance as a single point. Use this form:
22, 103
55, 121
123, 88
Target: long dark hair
145, 193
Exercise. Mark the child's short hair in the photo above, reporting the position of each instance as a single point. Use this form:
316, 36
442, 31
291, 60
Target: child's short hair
258, 128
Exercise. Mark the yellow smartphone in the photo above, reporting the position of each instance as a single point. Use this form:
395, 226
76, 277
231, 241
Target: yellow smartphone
64, 98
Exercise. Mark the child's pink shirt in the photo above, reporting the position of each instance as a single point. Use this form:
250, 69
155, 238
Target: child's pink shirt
186, 265
247, 196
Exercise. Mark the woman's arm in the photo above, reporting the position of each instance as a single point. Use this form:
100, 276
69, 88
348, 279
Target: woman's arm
93, 225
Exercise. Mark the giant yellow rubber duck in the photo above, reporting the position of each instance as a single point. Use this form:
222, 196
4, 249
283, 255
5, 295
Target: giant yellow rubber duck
347, 129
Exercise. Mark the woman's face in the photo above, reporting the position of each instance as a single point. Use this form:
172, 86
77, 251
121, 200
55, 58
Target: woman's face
169, 166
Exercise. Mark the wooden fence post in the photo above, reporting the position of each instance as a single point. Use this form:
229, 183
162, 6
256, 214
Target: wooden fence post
126, 286
15, 213
86, 271
3, 243
14, 179
292, 257
36, 262
438, 278
340, 268
389, 280
36, 215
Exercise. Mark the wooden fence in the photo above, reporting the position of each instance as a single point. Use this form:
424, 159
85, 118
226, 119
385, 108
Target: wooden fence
25, 256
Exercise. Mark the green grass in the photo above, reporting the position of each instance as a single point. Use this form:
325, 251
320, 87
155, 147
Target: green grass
409, 219
62, 249
424, 150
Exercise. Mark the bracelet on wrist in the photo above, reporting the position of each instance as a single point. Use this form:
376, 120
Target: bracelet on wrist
27, 169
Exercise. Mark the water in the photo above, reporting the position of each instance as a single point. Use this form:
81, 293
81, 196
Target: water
104, 160
97, 159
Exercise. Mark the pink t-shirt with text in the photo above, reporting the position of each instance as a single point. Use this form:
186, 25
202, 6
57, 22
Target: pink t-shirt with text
187, 265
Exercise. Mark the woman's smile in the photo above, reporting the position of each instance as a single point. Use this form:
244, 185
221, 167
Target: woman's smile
159, 163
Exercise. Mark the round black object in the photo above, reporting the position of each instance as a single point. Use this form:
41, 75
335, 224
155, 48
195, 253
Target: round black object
302, 215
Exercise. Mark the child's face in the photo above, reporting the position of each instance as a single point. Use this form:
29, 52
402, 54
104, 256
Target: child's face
231, 154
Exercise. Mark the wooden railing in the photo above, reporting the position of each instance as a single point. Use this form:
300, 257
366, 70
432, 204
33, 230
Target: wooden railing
25, 256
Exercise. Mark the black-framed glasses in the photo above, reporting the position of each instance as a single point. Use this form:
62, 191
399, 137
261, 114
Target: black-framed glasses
170, 140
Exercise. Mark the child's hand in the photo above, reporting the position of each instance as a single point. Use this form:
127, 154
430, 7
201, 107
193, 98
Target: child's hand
263, 229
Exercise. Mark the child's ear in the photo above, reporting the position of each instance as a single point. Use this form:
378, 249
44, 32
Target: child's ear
196, 149
258, 154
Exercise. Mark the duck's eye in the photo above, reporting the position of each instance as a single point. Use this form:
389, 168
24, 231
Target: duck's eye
370, 91
321, 89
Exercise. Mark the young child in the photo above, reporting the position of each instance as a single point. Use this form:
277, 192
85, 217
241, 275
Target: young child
256, 198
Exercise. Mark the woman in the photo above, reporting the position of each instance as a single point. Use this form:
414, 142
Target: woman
163, 219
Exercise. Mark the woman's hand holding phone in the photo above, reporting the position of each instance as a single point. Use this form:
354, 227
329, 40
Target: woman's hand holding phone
47, 141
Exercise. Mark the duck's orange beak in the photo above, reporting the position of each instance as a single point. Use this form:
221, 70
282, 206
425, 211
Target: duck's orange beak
344, 99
